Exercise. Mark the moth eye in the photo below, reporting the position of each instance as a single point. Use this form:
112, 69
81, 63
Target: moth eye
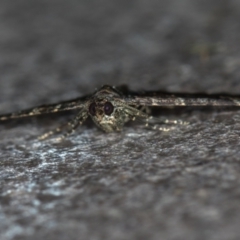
108, 108
92, 109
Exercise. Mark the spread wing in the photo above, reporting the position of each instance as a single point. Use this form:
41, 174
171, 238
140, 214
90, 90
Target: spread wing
77, 103
163, 99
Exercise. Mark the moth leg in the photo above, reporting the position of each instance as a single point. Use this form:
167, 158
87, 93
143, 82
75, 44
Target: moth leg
73, 124
145, 109
151, 120
160, 124
52, 132
163, 129
134, 113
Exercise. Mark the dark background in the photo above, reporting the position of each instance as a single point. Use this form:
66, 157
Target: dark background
138, 184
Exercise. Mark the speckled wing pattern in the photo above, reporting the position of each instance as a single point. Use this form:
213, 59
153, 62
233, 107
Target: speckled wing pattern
164, 99
47, 108
110, 108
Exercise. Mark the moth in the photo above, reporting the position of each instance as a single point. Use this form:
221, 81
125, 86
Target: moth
111, 107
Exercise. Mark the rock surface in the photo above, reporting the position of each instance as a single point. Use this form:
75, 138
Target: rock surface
137, 184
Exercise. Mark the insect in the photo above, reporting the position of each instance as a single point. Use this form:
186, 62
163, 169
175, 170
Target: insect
110, 108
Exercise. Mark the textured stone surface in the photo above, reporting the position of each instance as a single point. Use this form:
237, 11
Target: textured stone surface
137, 184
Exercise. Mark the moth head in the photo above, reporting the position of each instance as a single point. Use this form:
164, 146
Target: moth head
109, 111
107, 115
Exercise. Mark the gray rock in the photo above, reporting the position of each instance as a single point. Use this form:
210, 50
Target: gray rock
137, 184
